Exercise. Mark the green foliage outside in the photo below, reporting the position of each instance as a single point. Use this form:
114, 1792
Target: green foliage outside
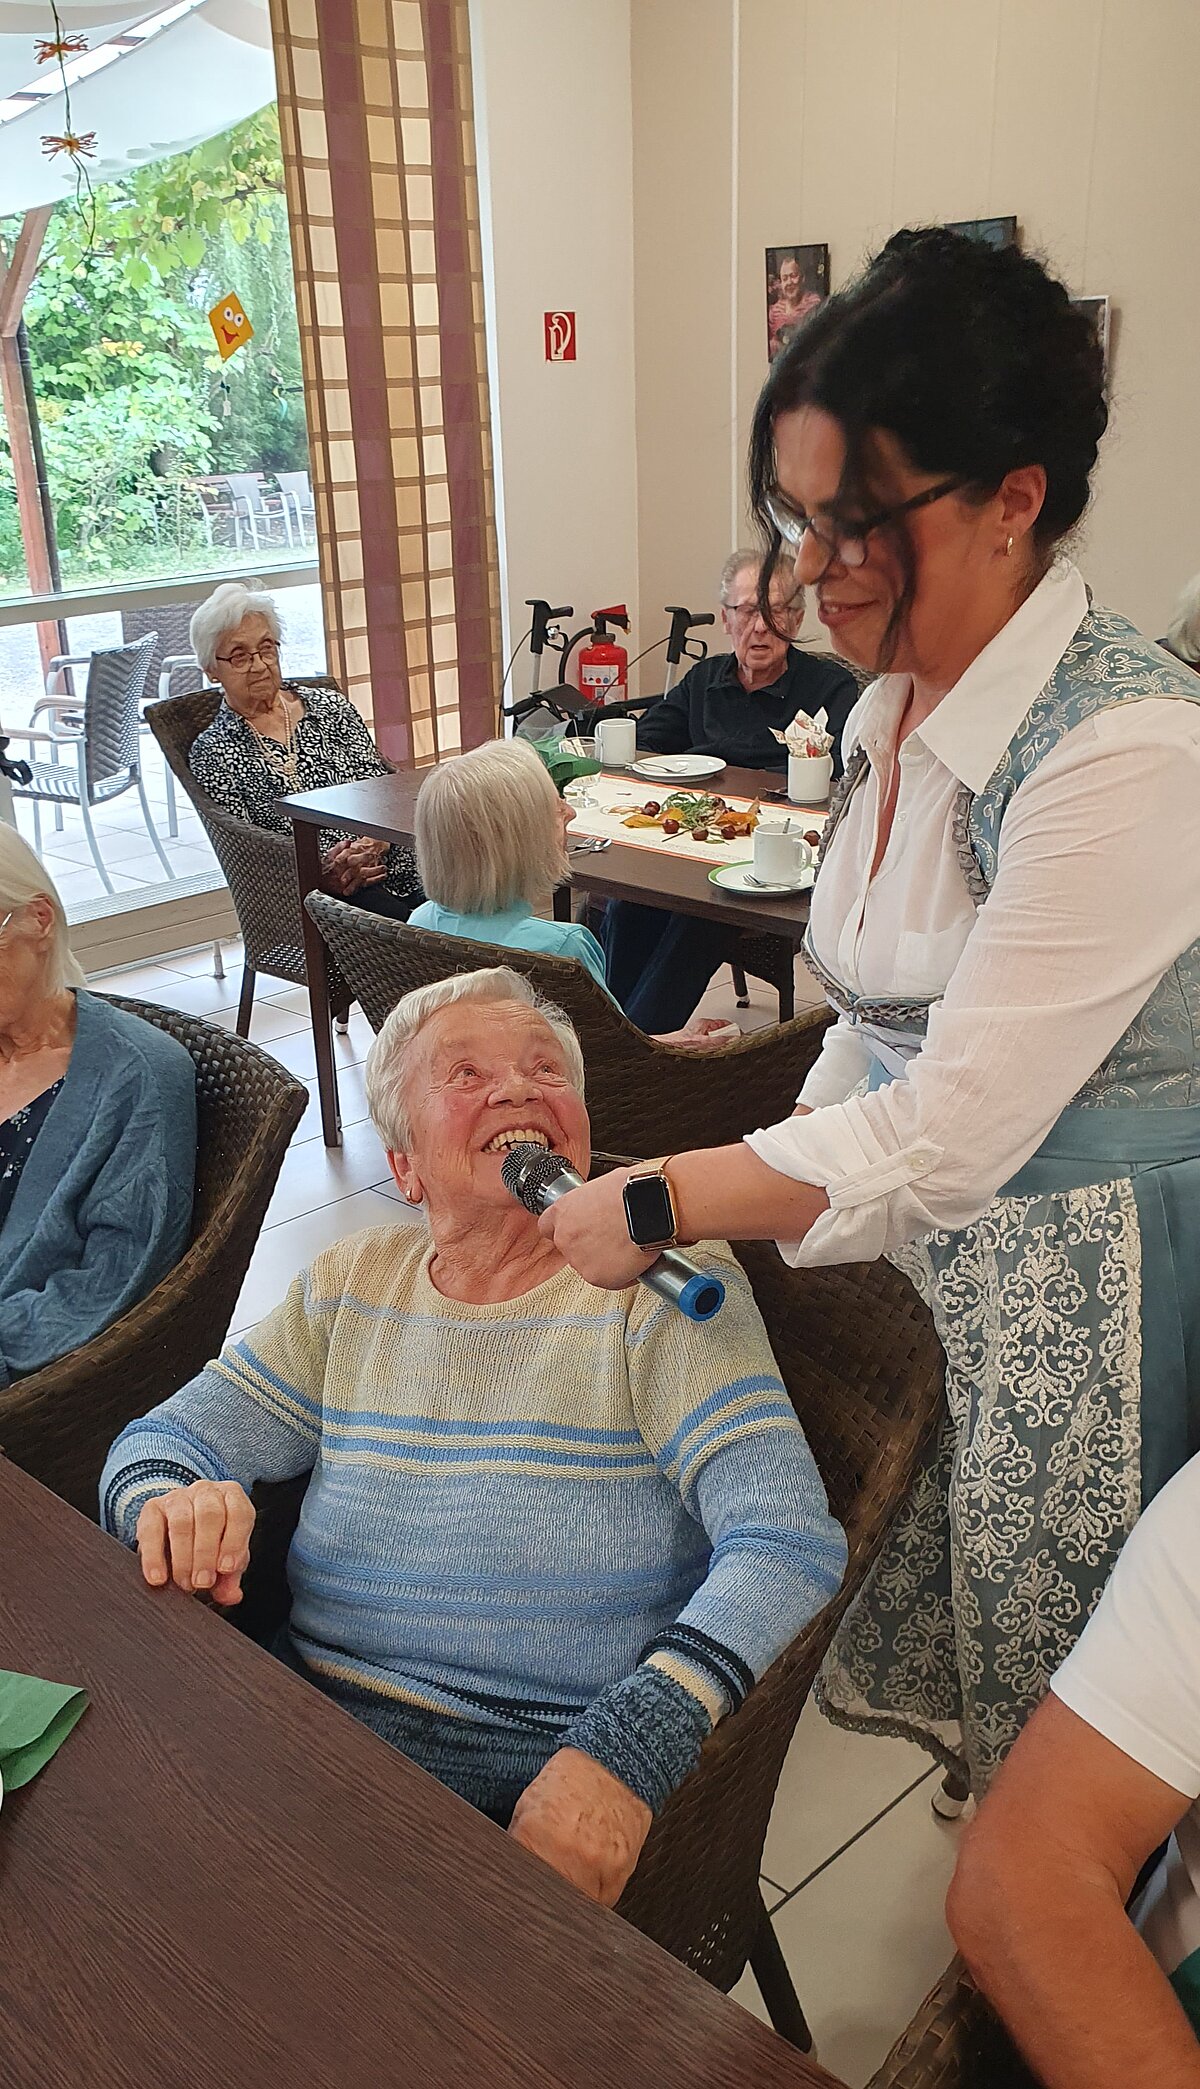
132, 396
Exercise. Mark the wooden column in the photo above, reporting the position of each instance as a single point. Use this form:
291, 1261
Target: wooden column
16, 274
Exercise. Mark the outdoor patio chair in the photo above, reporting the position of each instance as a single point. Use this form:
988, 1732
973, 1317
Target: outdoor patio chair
58, 1423
953, 2042
261, 509
644, 1097
296, 488
174, 669
218, 510
864, 1369
259, 867
101, 731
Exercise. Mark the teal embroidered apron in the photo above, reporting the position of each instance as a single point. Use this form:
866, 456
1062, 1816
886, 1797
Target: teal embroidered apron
1070, 1317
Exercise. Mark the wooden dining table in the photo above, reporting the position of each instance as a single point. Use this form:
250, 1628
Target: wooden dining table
222, 1878
384, 806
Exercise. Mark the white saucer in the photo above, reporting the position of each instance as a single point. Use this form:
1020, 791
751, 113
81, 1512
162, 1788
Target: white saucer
733, 877
677, 768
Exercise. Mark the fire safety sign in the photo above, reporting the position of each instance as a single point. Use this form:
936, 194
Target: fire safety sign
560, 337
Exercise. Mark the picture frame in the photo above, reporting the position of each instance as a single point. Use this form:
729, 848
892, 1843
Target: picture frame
1100, 314
994, 232
797, 281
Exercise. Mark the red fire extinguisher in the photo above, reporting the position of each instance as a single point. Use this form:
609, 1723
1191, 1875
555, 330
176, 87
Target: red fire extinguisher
603, 665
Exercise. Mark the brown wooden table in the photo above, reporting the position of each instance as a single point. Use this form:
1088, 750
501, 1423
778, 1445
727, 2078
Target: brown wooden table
223, 1879
383, 806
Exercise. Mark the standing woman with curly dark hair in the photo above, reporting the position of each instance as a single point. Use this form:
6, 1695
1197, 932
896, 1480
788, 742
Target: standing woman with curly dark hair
1007, 924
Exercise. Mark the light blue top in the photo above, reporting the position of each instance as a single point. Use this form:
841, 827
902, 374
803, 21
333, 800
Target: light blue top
518, 929
103, 1208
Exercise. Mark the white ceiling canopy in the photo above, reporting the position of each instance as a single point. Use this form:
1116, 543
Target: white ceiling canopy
155, 80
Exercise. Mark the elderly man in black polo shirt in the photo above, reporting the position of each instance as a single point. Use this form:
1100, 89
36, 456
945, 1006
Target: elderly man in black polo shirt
660, 963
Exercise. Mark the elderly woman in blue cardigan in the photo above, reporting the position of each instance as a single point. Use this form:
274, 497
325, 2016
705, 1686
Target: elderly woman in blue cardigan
97, 1137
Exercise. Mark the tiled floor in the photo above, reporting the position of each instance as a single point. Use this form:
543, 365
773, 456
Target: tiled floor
124, 843
856, 1864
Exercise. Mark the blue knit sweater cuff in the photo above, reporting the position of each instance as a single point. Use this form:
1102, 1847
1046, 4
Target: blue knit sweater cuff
647, 1729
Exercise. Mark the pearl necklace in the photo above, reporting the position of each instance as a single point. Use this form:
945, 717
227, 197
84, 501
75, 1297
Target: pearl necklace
282, 760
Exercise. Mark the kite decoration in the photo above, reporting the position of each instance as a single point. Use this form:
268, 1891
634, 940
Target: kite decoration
230, 325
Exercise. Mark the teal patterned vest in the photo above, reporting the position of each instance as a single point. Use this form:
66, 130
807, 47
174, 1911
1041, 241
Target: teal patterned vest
1108, 662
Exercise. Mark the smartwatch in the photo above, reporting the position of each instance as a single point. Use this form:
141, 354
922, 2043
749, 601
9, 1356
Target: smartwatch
650, 1207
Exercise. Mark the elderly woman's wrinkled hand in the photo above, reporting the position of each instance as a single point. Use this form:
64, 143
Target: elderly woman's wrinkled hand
582, 1821
352, 864
589, 1229
199, 1538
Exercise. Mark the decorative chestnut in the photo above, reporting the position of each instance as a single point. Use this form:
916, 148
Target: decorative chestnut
651, 807
813, 838
699, 833
670, 826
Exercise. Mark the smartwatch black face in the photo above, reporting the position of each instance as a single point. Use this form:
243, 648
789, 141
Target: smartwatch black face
648, 1211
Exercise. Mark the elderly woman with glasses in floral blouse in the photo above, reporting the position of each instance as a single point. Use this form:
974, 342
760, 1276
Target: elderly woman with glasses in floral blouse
271, 738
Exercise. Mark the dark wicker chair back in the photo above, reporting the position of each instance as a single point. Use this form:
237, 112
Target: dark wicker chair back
643, 1097
58, 1423
954, 2042
259, 866
116, 684
171, 623
864, 1369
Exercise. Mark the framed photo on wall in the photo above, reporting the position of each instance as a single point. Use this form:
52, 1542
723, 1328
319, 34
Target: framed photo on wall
1098, 312
994, 232
797, 281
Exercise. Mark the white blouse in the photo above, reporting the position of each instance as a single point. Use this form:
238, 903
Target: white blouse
1097, 892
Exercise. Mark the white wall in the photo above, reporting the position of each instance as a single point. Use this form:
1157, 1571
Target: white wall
1077, 115
554, 130
644, 152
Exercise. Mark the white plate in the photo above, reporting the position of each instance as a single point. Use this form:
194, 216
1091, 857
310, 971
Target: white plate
678, 768
734, 877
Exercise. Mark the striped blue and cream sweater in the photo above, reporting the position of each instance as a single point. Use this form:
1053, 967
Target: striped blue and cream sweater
575, 1516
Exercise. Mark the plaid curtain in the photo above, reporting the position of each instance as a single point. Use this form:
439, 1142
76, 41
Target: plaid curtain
376, 115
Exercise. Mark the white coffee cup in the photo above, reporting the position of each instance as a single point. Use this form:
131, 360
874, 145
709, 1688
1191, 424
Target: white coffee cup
781, 855
616, 742
809, 777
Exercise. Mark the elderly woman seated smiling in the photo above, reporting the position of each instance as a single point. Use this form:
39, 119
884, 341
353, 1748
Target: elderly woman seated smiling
552, 1533
272, 737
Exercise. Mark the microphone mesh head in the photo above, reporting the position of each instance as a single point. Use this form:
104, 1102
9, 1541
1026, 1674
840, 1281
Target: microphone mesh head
528, 1172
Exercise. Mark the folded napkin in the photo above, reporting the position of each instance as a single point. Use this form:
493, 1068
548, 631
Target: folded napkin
805, 736
35, 1719
564, 768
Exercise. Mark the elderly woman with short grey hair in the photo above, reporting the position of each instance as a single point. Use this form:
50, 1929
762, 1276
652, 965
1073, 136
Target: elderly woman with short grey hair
550, 1536
271, 738
491, 848
1183, 631
97, 1136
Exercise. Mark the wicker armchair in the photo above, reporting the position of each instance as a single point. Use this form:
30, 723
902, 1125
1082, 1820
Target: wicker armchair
643, 1097
58, 1423
953, 2042
259, 866
864, 1369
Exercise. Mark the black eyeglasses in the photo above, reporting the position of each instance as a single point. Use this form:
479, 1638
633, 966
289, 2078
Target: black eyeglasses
242, 656
846, 542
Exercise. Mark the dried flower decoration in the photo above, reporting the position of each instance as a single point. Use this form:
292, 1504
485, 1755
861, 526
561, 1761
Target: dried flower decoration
60, 47
76, 148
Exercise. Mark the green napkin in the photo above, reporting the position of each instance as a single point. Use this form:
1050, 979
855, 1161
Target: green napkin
564, 768
35, 1719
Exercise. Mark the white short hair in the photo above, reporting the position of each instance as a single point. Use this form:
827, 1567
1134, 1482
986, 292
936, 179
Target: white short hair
1183, 631
488, 830
222, 612
24, 878
747, 560
386, 1099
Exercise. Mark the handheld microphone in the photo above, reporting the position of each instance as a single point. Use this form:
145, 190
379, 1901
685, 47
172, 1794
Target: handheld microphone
537, 1179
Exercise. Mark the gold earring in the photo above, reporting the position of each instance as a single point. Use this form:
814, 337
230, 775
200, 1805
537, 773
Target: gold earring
1008, 549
